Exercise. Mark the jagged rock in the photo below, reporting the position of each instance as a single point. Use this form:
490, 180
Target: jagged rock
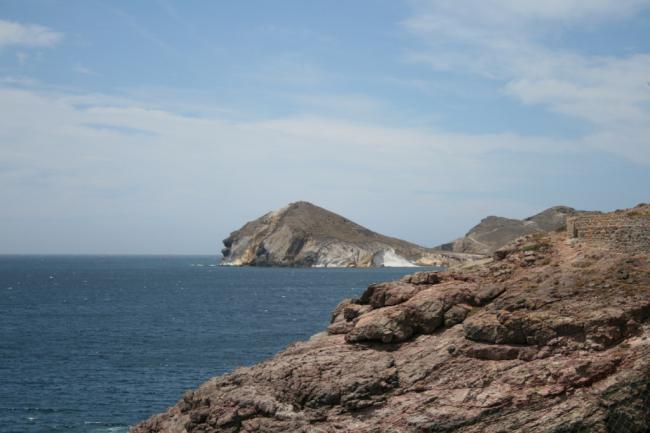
344, 316
456, 314
387, 294
561, 345
390, 325
420, 278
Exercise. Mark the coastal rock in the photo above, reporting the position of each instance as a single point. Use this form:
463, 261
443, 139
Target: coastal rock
302, 234
494, 232
387, 294
561, 344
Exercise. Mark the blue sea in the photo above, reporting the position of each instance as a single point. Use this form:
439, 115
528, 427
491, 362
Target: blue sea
97, 343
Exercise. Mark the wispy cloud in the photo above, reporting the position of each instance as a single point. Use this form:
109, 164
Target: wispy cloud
504, 40
27, 35
102, 164
81, 69
18, 81
153, 158
134, 24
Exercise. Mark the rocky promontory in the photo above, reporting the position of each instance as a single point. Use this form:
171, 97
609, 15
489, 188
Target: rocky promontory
303, 234
493, 232
551, 335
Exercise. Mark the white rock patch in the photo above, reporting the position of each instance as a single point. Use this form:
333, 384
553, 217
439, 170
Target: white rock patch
390, 259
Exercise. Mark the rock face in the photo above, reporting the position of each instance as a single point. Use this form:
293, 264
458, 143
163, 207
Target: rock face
551, 335
302, 234
493, 232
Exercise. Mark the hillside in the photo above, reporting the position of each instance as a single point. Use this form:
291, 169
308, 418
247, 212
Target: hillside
303, 234
493, 232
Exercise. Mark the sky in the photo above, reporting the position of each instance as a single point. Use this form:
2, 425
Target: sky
160, 126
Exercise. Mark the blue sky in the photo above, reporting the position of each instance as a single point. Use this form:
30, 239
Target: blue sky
160, 126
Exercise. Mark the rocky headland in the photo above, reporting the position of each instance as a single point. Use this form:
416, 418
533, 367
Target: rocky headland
552, 334
493, 232
303, 234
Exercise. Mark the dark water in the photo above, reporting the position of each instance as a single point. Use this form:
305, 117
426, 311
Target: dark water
94, 344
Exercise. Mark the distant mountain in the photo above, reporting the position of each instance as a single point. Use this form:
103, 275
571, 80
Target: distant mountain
303, 234
493, 232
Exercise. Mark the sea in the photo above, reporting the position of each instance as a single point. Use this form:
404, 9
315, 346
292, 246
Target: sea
94, 344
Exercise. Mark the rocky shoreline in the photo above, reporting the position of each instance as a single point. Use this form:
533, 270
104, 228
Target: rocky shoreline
552, 334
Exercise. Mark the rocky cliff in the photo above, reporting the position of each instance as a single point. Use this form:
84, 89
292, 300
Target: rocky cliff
302, 234
551, 335
493, 232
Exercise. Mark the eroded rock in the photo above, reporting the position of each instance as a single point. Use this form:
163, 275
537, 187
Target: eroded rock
561, 344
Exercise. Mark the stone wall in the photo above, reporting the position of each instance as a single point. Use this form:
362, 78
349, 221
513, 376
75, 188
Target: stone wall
624, 230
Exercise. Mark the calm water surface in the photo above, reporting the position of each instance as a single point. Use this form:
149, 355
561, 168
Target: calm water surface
95, 343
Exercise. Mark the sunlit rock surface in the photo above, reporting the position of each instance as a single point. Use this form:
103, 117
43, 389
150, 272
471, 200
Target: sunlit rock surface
551, 335
302, 234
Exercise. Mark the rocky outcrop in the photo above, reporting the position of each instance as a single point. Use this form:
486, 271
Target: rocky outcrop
493, 232
302, 234
626, 229
551, 335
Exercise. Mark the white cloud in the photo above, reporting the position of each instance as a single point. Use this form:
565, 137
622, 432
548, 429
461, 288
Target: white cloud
100, 163
27, 35
573, 10
605, 91
519, 13
503, 40
18, 81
